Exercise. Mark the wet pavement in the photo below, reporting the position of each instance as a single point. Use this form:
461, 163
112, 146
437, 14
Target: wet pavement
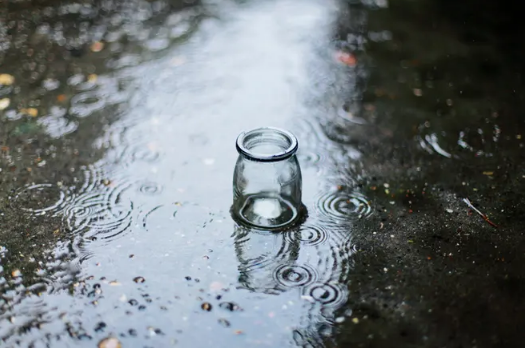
118, 122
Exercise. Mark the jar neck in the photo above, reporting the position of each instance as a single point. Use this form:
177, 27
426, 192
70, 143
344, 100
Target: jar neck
267, 144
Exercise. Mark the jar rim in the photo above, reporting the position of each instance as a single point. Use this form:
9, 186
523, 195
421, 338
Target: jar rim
278, 156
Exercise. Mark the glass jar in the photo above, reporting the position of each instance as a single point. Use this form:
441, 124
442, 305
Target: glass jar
267, 179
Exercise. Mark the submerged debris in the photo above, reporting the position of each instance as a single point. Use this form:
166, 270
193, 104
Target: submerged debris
485, 217
139, 279
206, 306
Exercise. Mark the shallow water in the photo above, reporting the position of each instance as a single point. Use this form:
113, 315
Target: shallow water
118, 150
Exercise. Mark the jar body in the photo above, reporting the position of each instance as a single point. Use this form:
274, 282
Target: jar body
267, 194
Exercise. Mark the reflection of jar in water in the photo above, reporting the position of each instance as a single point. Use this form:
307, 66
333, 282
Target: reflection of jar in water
267, 261
267, 179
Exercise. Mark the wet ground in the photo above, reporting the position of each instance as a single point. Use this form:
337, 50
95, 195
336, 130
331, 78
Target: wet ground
117, 128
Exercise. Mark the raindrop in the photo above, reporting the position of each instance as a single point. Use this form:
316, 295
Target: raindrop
100, 209
223, 322
150, 188
85, 104
40, 198
57, 126
308, 158
295, 275
343, 205
349, 112
308, 234
326, 294
148, 152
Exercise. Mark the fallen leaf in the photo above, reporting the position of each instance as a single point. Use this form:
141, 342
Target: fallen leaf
346, 58
30, 111
97, 46
6, 79
4, 103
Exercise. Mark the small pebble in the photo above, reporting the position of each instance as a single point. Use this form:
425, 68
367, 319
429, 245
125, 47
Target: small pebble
224, 322
97, 46
110, 342
206, 306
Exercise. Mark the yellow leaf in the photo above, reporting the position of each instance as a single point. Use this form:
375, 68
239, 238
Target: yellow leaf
6, 79
30, 111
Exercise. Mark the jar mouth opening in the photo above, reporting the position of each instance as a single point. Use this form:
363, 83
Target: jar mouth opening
267, 144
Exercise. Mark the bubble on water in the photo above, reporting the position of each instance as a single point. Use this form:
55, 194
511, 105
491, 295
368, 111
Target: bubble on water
344, 205
295, 275
41, 198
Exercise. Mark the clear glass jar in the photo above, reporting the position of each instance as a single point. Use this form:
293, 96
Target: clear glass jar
267, 179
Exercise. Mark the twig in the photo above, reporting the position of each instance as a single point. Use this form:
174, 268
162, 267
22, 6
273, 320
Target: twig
485, 217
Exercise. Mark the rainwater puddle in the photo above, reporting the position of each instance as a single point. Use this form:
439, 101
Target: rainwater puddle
118, 122
147, 239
